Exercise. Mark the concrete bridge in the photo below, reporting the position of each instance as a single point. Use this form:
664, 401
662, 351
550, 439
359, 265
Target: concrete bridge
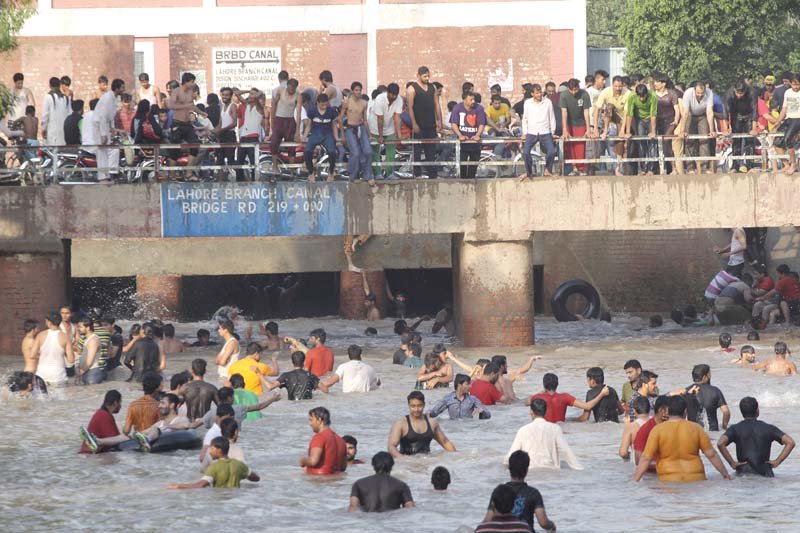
485, 230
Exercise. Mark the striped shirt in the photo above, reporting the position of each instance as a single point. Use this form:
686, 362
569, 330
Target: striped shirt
504, 524
720, 281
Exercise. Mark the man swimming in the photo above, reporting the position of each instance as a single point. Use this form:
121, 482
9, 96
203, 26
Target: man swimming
779, 365
753, 439
413, 433
747, 356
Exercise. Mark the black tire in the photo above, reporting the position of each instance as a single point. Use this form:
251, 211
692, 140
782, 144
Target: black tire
558, 303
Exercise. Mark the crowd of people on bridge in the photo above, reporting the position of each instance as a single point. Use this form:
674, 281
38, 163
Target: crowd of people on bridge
666, 432
595, 118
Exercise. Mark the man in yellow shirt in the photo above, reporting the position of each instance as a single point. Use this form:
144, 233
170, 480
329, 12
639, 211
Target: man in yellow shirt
252, 369
677, 444
611, 103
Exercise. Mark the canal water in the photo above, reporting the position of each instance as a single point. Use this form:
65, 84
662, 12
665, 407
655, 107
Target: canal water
47, 486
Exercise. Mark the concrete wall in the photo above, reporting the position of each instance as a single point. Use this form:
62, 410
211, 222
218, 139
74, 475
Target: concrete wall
483, 210
252, 255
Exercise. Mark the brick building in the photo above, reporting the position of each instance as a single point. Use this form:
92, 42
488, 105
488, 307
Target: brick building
373, 41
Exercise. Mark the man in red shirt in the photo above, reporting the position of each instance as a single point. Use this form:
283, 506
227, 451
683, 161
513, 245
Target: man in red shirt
557, 402
102, 425
788, 287
484, 389
660, 414
327, 452
319, 358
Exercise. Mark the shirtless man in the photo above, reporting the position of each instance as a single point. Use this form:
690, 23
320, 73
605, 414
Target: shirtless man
779, 365
169, 344
356, 136
230, 350
373, 313
414, 432
273, 340
31, 328
181, 102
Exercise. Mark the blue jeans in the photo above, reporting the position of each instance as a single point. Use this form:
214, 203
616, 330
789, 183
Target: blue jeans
360, 152
320, 138
545, 141
94, 376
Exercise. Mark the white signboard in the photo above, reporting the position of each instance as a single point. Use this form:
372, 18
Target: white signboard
246, 68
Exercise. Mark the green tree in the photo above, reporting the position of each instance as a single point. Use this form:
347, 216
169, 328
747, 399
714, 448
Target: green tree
13, 14
602, 22
718, 40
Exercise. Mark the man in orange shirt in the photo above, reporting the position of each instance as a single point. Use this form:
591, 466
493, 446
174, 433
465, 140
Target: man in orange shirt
143, 412
677, 444
319, 358
252, 369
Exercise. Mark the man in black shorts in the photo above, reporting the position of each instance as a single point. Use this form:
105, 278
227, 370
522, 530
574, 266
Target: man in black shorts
753, 439
181, 102
380, 492
528, 501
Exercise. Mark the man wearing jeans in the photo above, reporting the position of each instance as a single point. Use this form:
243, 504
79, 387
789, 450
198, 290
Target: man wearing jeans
697, 119
538, 124
354, 110
467, 121
386, 110
641, 118
324, 131
611, 103
426, 119
741, 106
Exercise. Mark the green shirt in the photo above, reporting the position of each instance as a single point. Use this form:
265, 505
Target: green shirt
226, 473
246, 397
627, 392
643, 110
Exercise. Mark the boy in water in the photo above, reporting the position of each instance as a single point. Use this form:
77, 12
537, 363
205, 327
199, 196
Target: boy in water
778, 365
224, 472
725, 343
747, 356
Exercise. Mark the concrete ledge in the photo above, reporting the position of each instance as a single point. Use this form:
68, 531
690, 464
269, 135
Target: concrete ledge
488, 210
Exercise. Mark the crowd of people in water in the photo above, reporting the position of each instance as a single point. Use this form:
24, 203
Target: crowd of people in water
662, 432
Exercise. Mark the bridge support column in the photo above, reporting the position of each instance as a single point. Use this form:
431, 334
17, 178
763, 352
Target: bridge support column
493, 292
159, 296
351, 293
34, 280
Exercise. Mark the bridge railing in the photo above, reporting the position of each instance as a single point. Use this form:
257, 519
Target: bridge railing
38, 165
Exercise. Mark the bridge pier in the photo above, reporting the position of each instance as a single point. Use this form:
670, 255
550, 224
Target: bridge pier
159, 296
351, 293
493, 292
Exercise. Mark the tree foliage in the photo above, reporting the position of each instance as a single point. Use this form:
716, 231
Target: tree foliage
717, 40
602, 22
13, 14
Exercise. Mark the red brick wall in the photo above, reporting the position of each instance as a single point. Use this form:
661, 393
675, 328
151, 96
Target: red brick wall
159, 296
229, 3
67, 4
351, 293
31, 285
455, 55
644, 271
81, 58
303, 54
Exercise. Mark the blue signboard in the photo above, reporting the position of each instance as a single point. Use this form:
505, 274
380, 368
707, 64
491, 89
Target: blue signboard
252, 209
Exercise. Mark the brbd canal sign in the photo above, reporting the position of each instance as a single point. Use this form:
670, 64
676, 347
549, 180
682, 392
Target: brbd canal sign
252, 209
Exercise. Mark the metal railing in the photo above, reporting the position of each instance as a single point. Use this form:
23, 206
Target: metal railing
60, 164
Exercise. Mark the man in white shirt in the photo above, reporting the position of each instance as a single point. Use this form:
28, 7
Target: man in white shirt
384, 125
104, 113
538, 125
355, 375
543, 441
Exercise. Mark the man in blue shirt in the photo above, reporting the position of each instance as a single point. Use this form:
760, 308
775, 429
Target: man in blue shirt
460, 404
324, 131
